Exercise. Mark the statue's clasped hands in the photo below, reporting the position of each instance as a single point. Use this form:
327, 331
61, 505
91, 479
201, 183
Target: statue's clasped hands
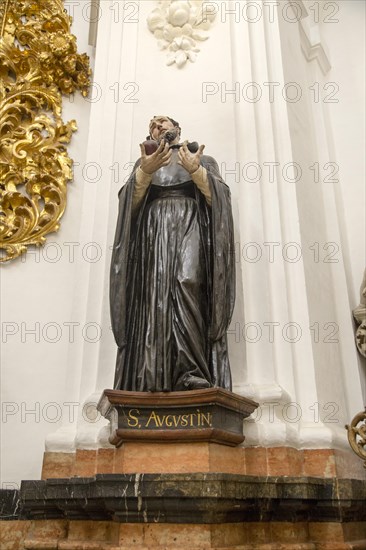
152, 163
190, 161
161, 157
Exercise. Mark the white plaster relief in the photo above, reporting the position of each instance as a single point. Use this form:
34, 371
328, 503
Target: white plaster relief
179, 25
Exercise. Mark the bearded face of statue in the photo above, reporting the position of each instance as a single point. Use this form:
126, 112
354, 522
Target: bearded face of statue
160, 125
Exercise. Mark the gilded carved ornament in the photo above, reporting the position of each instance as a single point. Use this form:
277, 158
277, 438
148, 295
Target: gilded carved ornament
179, 25
38, 63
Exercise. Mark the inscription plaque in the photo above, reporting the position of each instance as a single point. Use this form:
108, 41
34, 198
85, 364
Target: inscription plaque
212, 414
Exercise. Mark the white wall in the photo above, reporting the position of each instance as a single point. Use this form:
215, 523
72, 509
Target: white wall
76, 289
325, 226
346, 129
36, 293
346, 41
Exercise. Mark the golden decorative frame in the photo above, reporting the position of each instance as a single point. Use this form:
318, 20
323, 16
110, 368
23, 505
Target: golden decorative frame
38, 63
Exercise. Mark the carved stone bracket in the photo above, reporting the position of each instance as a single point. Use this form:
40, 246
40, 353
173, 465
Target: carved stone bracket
39, 62
357, 435
179, 25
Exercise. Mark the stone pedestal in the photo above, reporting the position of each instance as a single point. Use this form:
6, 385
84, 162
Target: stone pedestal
176, 479
213, 414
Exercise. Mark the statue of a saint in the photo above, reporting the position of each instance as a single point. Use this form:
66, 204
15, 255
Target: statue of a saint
172, 286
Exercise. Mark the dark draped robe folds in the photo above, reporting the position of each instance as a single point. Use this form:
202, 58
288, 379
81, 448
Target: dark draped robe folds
172, 286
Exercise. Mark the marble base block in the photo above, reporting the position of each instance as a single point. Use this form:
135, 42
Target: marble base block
150, 457
181, 512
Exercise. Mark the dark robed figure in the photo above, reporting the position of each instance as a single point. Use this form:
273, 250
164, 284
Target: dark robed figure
172, 272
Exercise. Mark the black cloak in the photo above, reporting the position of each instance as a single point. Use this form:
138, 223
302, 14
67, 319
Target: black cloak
172, 284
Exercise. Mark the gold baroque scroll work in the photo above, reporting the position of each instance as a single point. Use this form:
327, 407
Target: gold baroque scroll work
38, 63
